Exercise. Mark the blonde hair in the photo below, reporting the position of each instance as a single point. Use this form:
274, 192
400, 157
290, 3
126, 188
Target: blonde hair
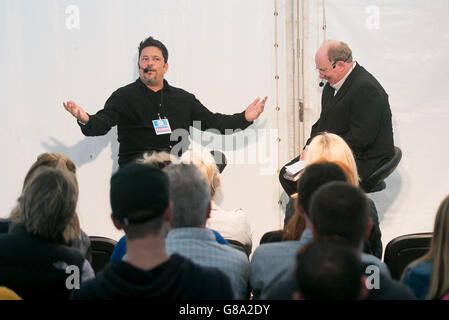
57, 161
330, 147
205, 162
439, 253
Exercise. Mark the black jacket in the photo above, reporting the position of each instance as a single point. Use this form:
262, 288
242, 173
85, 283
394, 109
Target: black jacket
133, 108
35, 268
389, 289
360, 114
176, 279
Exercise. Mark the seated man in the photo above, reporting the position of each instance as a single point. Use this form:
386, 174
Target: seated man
233, 225
159, 160
140, 205
354, 106
189, 236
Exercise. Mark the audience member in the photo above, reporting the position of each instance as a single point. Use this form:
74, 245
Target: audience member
73, 235
329, 271
293, 228
271, 261
331, 147
232, 225
339, 212
140, 205
159, 160
296, 225
428, 276
189, 236
34, 257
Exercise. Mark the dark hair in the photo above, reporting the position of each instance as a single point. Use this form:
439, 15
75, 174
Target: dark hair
141, 230
313, 177
151, 42
338, 209
328, 271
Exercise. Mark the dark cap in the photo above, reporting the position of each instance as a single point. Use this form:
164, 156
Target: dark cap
137, 188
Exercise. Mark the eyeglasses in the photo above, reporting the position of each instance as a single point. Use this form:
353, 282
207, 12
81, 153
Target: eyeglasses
334, 64
325, 71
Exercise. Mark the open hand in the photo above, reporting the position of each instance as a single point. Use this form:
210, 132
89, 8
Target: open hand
76, 111
255, 109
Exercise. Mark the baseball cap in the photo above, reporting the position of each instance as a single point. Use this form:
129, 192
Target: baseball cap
138, 188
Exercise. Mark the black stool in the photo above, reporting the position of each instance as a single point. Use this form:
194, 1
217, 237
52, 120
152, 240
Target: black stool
375, 182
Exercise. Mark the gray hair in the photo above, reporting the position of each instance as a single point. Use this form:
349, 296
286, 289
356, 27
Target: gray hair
190, 195
158, 159
339, 51
48, 203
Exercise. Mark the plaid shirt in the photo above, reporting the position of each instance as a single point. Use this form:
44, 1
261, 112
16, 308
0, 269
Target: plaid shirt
200, 246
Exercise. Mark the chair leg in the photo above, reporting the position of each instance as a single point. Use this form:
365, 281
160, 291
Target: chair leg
376, 188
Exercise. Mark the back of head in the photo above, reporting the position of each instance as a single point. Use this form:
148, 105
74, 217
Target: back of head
139, 196
440, 240
313, 177
205, 162
190, 196
48, 203
331, 147
329, 271
339, 210
439, 253
151, 42
58, 161
52, 160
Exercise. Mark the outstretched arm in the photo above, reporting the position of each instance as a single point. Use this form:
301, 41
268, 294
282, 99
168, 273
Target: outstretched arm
255, 109
76, 111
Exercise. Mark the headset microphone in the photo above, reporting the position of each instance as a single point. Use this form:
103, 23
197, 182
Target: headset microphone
146, 70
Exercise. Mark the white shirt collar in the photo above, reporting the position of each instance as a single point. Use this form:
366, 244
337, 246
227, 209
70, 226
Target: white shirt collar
339, 84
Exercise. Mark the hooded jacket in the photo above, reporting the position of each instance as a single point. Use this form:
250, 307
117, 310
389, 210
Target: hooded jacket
176, 279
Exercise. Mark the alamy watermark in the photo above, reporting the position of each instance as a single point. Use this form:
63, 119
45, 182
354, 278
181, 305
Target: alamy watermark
372, 22
73, 280
251, 146
373, 277
72, 21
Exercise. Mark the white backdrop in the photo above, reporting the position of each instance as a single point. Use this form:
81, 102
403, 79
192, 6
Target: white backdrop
56, 50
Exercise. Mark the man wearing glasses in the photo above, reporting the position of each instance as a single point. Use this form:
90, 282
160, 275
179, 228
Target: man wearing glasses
353, 105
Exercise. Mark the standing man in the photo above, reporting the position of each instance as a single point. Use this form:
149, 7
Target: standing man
354, 106
149, 109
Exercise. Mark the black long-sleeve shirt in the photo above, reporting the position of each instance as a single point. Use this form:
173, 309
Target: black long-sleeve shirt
133, 108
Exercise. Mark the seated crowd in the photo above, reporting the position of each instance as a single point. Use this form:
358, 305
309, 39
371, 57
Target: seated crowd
180, 245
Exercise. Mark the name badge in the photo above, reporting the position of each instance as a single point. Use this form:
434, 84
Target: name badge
161, 126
